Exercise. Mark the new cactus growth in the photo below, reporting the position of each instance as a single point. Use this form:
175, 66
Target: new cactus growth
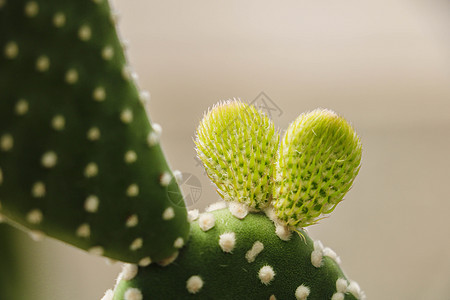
80, 162
251, 250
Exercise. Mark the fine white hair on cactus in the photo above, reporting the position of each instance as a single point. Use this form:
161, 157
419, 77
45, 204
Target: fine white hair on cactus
144, 262
238, 210
318, 245
192, 214
168, 214
97, 250
178, 176
130, 157
254, 251
107, 52
21, 107
154, 136
93, 134
165, 179
338, 296
126, 116
132, 221
36, 235
317, 254
144, 96
216, 206
132, 190
109, 294
316, 258
302, 292
194, 284
331, 254
341, 285
179, 243
355, 290
136, 244
167, 261
133, 294
91, 203
129, 271
71, 76
6, 142
49, 159
59, 19
126, 72
283, 232
99, 94
85, 33
58, 122
31, 9
42, 63
35, 216
11, 50
266, 274
227, 241
157, 128
206, 221
38, 189
84, 230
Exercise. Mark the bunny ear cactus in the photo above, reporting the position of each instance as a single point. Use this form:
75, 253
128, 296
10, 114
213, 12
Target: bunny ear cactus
319, 157
79, 159
249, 247
237, 146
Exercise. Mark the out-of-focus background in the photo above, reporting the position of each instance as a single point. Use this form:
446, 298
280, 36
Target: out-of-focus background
382, 64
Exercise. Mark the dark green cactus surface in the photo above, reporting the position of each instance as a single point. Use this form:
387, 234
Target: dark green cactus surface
11, 285
79, 159
240, 259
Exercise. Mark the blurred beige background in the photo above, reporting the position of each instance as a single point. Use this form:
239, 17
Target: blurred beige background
384, 65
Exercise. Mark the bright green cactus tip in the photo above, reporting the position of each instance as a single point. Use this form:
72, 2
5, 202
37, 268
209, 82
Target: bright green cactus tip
234, 254
237, 145
318, 160
79, 159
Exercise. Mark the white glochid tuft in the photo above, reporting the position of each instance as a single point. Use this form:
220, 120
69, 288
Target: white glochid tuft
227, 241
194, 284
302, 292
133, 294
266, 274
238, 210
129, 271
165, 179
168, 214
206, 221
132, 190
251, 254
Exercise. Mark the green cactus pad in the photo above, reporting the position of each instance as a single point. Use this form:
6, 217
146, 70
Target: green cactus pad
240, 259
11, 284
79, 159
318, 160
237, 145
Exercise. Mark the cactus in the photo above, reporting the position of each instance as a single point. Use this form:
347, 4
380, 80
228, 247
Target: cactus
11, 285
251, 246
80, 162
